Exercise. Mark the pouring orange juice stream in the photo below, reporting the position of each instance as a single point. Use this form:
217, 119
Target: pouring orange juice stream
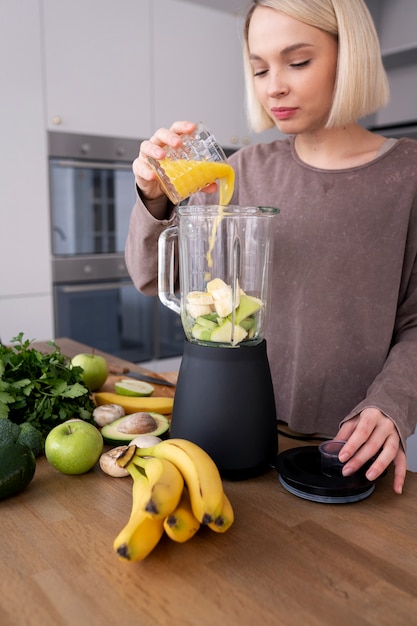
190, 176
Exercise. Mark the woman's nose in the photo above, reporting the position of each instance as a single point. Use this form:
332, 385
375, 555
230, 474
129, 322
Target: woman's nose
277, 86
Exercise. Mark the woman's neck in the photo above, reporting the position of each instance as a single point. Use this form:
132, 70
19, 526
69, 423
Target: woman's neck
338, 148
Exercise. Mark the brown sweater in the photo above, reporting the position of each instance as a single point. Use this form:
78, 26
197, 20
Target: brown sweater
342, 332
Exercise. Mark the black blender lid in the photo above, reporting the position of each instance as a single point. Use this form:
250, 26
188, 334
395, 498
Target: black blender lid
300, 473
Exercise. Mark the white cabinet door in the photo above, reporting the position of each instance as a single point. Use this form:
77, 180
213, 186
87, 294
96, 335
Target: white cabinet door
396, 25
98, 66
32, 315
25, 274
198, 71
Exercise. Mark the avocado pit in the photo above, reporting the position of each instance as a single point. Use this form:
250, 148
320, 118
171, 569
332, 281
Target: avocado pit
137, 424
128, 427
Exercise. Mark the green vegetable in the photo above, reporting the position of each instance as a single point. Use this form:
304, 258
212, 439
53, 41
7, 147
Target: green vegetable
9, 432
32, 438
26, 435
17, 468
41, 388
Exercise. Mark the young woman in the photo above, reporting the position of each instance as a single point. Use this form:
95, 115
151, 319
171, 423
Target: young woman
342, 336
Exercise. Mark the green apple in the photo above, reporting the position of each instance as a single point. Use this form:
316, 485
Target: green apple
248, 306
202, 320
74, 446
227, 333
95, 369
202, 333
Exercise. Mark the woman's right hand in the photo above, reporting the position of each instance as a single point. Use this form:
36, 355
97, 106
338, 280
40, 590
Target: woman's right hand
145, 177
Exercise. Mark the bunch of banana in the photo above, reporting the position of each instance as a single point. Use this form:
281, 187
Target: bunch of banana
182, 524
176, 487
142, 532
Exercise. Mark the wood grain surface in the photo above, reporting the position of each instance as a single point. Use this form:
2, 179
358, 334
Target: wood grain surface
285, 561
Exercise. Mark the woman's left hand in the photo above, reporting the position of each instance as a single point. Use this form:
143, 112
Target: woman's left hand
367, 434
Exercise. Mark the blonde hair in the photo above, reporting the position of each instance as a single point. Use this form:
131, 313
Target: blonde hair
361, 85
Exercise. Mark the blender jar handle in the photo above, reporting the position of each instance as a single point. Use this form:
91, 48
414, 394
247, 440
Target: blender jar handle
166, 269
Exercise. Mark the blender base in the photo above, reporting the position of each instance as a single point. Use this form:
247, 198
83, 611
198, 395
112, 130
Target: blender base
224, 402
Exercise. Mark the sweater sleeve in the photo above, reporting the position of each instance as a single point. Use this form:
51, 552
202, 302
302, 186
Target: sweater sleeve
141, 250
394, 390
147, 222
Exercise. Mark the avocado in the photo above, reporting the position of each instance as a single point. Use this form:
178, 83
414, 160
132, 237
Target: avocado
115, 432
17, 468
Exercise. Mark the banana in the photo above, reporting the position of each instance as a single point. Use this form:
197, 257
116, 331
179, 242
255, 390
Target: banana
182, 524
139, 404
165, 486
199, 303
223, 297
141, 541
141, 533
225, 519
200, 474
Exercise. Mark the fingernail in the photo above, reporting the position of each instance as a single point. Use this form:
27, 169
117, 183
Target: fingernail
347, 471
371, 474
343, 456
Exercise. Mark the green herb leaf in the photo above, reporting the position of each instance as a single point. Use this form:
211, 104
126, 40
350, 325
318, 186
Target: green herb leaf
41, 388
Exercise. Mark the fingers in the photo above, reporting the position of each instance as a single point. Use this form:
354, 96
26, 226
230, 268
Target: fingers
372, 435
385, 457
210, 188
400, 471
167, 137
145, 177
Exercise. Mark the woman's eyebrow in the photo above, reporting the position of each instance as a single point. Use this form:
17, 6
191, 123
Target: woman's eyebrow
285, 51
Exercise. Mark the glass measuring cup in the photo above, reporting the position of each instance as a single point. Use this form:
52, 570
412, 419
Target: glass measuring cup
197, 162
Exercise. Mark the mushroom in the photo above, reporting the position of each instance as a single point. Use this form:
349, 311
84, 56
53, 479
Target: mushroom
107, 413
145, 441
108, 462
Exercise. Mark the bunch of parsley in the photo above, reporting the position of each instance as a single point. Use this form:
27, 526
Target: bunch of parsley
41, 388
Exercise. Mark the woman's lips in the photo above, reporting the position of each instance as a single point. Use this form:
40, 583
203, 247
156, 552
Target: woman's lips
283, 113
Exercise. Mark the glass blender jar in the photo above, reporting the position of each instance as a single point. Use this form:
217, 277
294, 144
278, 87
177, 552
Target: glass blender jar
224, 399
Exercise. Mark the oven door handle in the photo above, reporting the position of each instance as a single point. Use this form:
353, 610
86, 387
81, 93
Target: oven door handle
93, 165
96, 286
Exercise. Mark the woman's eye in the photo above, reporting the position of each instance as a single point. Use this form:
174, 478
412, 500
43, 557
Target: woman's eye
301, 63
260, 72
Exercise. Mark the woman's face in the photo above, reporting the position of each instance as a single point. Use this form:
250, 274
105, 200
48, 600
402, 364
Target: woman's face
294, 68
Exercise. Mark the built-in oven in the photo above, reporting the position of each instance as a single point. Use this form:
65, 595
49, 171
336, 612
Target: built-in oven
91, 195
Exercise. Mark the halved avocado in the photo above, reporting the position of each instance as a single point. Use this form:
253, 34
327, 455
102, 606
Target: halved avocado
111, 433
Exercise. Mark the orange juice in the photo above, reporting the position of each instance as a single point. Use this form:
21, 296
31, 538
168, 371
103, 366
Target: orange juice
189, 176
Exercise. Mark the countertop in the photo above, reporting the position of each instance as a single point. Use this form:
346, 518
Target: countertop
285, 561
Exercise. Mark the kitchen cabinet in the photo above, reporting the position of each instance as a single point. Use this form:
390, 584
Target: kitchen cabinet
31, 314
25, 274
198, 71
126, 69
98, 67
395, 22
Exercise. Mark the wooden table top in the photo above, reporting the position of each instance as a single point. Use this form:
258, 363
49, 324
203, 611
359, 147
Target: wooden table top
285, 561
